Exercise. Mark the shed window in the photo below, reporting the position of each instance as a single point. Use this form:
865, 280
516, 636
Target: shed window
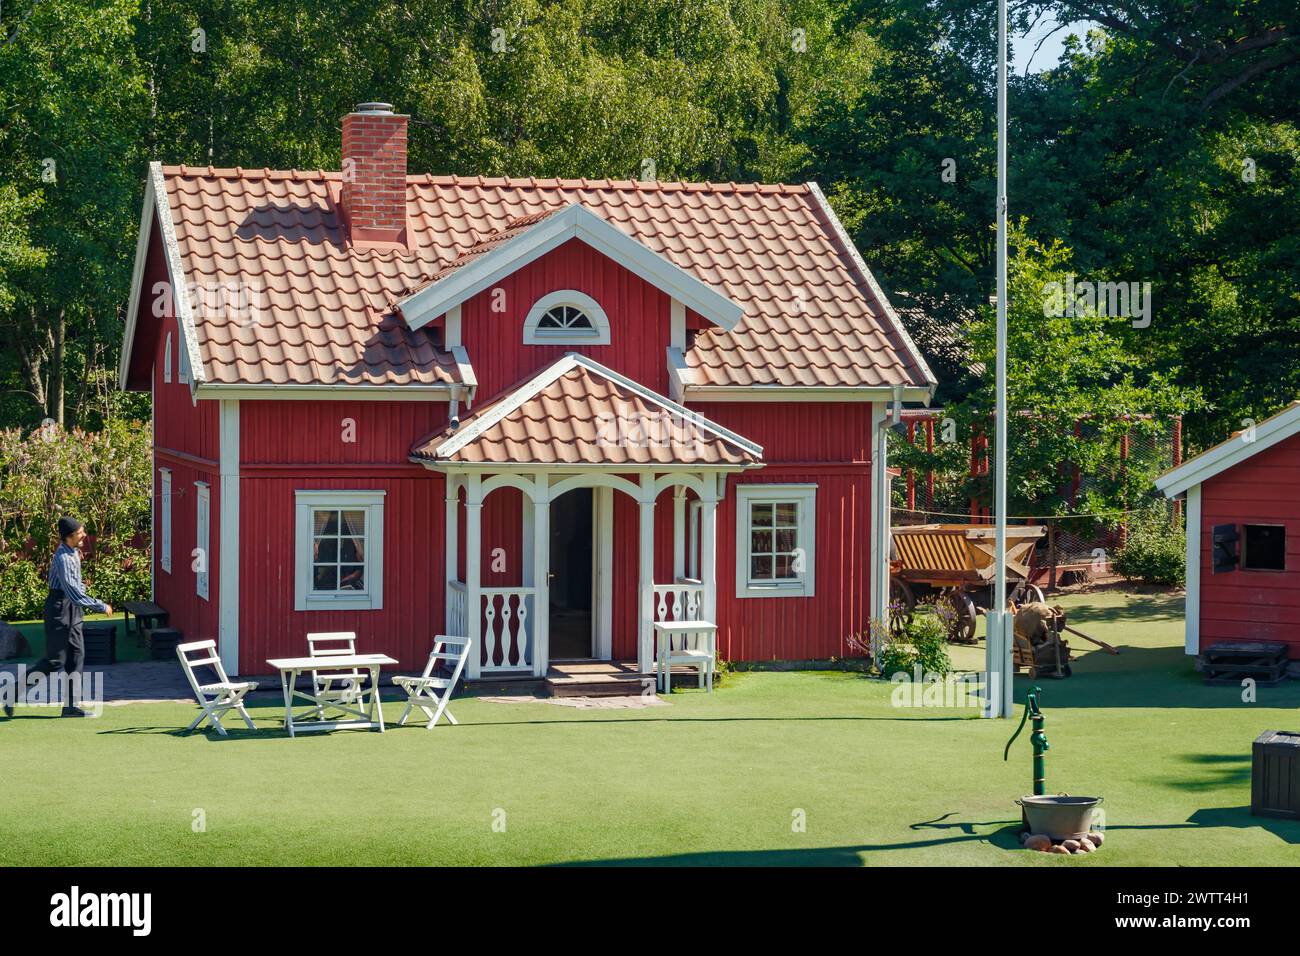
569, 317
1263, 547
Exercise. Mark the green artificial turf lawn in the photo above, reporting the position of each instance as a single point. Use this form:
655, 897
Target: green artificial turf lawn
718, 778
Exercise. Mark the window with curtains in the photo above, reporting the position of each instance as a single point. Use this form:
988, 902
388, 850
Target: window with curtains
775, 540
340, 550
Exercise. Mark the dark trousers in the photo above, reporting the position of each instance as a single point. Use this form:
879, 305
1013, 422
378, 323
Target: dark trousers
65, 646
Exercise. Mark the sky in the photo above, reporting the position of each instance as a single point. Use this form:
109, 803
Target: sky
1050, 54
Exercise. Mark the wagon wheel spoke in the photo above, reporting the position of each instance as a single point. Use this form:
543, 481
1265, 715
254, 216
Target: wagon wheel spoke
902, 604
961, 629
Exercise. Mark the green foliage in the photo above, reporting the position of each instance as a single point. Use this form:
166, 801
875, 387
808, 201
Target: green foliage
103, 478
1155, 551
924, 643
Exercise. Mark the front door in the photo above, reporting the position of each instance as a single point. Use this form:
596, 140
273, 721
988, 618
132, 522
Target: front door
571, 578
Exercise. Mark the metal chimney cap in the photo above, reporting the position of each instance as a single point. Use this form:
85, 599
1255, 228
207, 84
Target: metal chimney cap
381, 109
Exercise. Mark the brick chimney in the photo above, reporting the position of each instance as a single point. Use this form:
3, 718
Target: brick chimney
374, 175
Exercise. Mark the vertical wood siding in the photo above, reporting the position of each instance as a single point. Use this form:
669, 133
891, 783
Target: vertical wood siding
638, 318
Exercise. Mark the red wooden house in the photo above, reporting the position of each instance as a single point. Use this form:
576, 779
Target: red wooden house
1243, 535
543, 413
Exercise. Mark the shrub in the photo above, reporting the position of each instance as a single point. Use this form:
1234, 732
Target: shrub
924, 642
1155, 551
22, 588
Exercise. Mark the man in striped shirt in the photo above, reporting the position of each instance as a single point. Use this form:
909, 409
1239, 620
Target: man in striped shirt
65, 647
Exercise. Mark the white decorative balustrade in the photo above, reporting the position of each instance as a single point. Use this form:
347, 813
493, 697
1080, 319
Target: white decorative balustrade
457, 609
681, 601
507, 642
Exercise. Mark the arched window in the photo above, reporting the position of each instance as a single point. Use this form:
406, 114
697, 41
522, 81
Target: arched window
167, 359
566, 317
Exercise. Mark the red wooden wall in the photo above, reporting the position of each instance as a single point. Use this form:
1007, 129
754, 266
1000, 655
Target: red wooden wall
1253, 605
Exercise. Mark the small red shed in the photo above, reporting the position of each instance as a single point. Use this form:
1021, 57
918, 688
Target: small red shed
1243, 535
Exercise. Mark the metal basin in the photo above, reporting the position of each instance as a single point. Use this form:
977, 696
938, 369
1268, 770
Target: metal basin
1061, 817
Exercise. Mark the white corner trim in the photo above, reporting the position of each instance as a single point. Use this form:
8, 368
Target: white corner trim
573, 222
1236, 449
372, 502
572, 360
842, 235
1192, 609
158, 209
451, 328
680, 375
677, 325
598, 334
229, 561
806, 494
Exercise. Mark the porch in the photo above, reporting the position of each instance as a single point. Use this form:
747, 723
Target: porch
512, 625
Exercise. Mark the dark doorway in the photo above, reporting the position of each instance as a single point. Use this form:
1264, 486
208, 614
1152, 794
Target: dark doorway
571, 556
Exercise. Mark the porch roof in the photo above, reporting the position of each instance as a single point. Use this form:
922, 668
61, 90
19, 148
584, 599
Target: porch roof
578, 412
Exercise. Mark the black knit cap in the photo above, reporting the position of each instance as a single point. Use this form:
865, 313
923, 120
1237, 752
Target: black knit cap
68, 525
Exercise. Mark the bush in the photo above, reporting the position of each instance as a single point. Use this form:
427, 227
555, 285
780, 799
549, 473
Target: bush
22, 589
118, 575
924, 642
1155, 551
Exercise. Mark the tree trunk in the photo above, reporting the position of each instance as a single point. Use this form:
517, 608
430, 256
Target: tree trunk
58, 352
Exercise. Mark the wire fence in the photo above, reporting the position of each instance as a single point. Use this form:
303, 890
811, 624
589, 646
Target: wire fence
1080, 538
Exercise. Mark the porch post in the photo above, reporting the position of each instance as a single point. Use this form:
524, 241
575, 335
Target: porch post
473, 599
679, 532
541, 574
450, 528
645, 630
708, 549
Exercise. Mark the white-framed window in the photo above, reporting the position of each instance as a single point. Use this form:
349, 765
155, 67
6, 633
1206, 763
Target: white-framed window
339, 550
165, 519
202, 556
566, 317
167, 359
182, 362
775, 540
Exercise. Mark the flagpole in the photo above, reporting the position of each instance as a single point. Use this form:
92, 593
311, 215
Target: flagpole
997, 651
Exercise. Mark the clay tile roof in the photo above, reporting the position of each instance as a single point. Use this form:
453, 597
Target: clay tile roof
578, 412
812, 315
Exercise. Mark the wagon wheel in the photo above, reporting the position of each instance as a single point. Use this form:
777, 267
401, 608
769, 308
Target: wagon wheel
902, 602
962, 628
1026, 593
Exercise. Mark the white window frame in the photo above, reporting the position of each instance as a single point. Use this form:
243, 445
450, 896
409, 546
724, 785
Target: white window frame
599, 334
165, 519
202, 539
182, 362
167, 360
805, 496
371, 502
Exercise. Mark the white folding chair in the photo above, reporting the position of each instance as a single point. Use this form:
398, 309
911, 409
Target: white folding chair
344, 687
217, 697
434, 687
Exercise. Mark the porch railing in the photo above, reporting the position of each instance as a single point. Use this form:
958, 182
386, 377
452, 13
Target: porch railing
680, 601
507, 635
457, 605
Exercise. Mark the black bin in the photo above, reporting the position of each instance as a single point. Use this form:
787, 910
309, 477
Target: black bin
101, 642
1275, 775
162, 643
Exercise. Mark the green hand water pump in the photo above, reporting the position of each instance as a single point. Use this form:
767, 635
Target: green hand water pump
1037, 738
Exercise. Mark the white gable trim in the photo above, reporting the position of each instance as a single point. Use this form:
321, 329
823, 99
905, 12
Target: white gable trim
573, 360
865, 274
1236, 449
156, 207
574, 222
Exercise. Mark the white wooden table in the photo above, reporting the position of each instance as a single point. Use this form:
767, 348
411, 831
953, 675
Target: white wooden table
700, 657
291, 667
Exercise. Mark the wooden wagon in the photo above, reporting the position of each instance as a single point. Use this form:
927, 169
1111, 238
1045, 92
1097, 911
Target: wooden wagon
954, 564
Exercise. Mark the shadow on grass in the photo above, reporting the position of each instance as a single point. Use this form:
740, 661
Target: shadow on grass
1004, 836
